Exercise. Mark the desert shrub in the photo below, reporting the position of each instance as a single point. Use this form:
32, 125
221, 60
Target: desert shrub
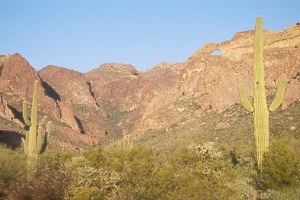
91, 183
95, 157
48, 182
241, 178
194, 172
191, 172
283, 193
137, 173
12, 166
206, 150
281, 164
95, 174
243, 189
204, 176
182, 174
109, 158
227, 179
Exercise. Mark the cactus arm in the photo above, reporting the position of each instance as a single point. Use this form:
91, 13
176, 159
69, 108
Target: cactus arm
41, 146
280, 93
43, 121
26, 143
48, 130
25, 116
43, 142
244, 99
47, 135
39, 142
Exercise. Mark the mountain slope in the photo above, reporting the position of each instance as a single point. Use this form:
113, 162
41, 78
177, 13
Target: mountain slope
115, 100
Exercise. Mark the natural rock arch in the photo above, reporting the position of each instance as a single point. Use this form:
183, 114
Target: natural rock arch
216, 53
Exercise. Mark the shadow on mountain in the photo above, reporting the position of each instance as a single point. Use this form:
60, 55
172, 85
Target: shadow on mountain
49, 91
79, 123
11, 139
90, 89
92, 93
17, 114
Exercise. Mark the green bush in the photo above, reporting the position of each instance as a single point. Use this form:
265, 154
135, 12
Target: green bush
148, 174
284, 193
193, 172
183, 174
281, 165
12, 167
91, 183
109, 158
48, 182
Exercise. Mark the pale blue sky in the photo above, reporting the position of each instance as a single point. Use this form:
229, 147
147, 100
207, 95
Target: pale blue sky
82, 35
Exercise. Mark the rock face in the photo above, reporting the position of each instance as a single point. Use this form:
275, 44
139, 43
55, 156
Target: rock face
127, 91
72, 94
115, 100
223, 73
242, 43
69, 84
16, 75
17, 78
210, 82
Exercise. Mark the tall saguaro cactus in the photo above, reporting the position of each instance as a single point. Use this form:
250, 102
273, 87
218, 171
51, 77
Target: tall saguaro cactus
35, 143
260, 108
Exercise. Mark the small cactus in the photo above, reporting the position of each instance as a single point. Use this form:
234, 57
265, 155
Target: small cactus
259, 108
35, 143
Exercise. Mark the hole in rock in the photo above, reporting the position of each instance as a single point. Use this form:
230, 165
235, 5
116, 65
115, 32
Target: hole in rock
216, 53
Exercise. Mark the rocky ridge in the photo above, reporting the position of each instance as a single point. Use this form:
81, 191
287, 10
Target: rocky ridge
115, 100
209, 83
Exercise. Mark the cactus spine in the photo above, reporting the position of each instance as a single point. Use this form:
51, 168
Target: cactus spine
35, 143
260, 109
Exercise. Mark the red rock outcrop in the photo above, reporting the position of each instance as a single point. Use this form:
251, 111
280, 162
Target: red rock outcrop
69, 84
16, 75
17, 78
76, 101
129, 91
211, 81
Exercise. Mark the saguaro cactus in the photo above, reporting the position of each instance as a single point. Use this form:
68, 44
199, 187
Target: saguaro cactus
260, 109
35, 143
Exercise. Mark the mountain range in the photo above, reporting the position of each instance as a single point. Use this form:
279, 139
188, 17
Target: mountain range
116, 101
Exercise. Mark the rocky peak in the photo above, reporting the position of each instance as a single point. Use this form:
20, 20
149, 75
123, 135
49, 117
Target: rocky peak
242, 43
121, 68
164, 65
70, 84
16, 75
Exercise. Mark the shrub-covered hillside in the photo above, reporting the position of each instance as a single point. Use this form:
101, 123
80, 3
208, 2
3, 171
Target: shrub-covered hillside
195, 161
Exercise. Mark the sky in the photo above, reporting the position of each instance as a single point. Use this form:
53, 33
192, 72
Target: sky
83, 34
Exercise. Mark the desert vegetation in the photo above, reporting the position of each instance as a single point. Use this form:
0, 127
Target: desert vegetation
188, 162
133, 170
